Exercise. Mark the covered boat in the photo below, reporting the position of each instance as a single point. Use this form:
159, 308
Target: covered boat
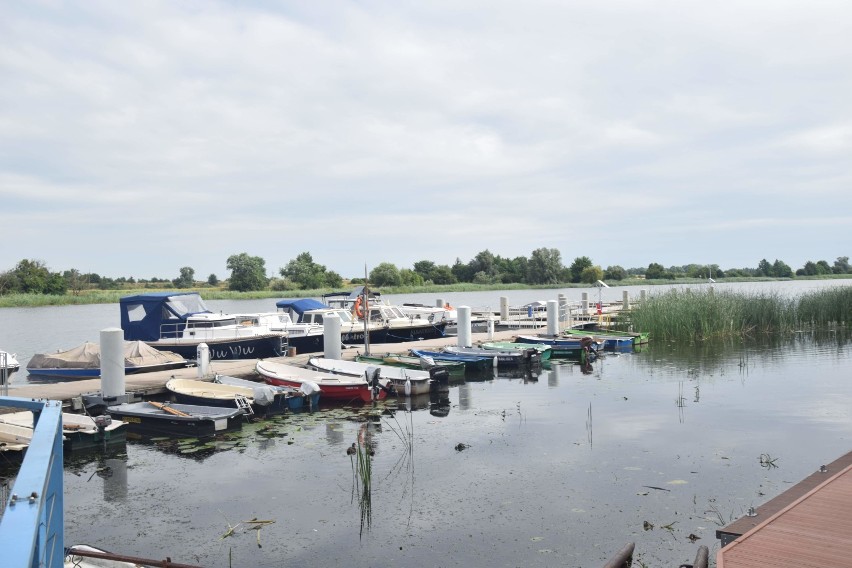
180, 322
476, 363
562, 346
84, 361
264, 400
79, 431
306, 397
544, 351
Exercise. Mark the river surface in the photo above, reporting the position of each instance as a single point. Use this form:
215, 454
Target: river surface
655, 447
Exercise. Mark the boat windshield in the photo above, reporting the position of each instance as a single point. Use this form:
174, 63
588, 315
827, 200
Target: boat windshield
187, 304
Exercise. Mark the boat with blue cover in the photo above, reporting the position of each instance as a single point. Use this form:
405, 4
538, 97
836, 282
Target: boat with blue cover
544, 351
505, 357
181, 321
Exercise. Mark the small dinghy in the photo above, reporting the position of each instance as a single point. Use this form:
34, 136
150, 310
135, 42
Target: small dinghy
169, 419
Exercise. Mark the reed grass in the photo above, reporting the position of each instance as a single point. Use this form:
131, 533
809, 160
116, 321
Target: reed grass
699, 315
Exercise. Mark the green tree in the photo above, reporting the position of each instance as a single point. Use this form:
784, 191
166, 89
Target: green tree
32, 276
443, 274
55, 284
212, 280
580, 263
781, 270
614, 273
841, 265
425, 268
544, 266
186, 278
385, 274
764, 268
823, 267
656, 271
247, 272
309, 275
409, 277
486, 263
74, 281
591, 274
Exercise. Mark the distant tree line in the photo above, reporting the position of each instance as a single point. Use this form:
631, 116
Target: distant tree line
544, 266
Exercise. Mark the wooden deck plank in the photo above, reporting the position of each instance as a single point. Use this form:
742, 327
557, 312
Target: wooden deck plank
814, 530
742, 525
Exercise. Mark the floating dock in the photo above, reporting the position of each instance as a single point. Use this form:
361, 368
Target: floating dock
808, 525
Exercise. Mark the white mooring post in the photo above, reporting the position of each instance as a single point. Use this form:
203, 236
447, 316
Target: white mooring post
202, 360
642, 295
439, 303
112, 363
464, 339
552, 317
504, 308
625, 300
584, 303
331, 337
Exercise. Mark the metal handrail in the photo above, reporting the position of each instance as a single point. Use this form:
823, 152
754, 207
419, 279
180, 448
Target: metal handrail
31, 529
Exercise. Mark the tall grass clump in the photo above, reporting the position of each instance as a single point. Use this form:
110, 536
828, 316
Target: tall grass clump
698, 315
823, 307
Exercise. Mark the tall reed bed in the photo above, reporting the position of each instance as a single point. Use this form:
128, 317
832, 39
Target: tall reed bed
697, 315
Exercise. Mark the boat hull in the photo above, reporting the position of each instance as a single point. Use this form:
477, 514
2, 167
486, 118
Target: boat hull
253, 347
335, 389
71, 373
203, 421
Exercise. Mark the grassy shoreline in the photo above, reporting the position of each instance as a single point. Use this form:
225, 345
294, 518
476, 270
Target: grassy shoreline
210, 293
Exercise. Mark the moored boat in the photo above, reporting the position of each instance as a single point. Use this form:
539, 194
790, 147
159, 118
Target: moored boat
296, 398
261, 399
505, 358
333, 387
475, 363
561, 346
404, 381
456, 370
170, 419
84, 361
79, 431
8, 365
544, 351
612, 339
180, 322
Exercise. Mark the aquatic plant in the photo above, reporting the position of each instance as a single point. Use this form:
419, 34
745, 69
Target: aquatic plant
699, 315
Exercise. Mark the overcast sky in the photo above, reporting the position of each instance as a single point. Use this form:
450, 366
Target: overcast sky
140, 137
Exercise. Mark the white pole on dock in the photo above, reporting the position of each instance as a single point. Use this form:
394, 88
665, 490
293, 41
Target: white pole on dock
331, 337
112, 363
439, 303
625, 300
202, 359
552, 317
504, 308
642, 295
464, 327
584, 303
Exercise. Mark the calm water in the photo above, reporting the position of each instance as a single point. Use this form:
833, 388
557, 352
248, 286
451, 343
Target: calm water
559, 471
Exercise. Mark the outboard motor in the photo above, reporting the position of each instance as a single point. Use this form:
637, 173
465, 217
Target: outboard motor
533, 356
439, 378
372, 375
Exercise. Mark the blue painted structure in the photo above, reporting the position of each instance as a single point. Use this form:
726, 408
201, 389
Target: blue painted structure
32, 524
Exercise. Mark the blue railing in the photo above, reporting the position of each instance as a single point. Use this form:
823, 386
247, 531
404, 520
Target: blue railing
32, 524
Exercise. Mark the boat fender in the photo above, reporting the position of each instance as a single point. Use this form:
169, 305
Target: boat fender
407, 386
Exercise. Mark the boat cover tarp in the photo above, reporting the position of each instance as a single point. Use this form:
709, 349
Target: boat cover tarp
301, 305
88, 356
154, 315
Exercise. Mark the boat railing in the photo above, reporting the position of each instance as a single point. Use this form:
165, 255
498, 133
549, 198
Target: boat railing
31, 528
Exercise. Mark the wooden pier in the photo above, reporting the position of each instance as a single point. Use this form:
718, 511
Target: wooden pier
154, 383
808, 525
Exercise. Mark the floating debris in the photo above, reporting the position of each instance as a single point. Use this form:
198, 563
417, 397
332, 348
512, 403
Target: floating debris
460, 447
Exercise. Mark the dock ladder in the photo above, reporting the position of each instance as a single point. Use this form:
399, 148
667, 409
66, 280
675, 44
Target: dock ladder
244, 404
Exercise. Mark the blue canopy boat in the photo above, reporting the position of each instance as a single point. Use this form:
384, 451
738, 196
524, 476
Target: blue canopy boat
180, 322
560, 346
471, 362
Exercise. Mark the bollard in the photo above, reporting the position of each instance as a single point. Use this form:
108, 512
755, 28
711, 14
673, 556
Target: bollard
625, 300
464, 339
584, 303
112, 363
202, 357
552, 318
331, 337
504, 308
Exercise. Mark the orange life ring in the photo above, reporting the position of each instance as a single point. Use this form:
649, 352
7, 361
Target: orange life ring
357, 309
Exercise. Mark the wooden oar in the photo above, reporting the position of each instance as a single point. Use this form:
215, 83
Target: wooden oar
169, 409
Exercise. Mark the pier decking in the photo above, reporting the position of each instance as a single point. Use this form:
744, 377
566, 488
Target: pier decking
808, 525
